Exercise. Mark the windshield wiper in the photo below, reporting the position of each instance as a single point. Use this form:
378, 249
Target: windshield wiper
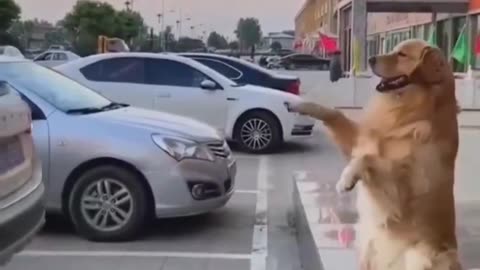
84, 110
111, 106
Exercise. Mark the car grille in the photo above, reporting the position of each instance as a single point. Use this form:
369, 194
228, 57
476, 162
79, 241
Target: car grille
11, 154
219, 149
302, 130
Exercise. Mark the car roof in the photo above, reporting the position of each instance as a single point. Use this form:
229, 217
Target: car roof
133, 54
60, 51
207, 55
11, 59
113, 55
231, 58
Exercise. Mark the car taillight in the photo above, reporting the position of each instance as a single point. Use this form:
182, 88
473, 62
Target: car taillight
294, 88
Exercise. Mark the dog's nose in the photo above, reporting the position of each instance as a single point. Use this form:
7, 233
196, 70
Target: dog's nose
372, 60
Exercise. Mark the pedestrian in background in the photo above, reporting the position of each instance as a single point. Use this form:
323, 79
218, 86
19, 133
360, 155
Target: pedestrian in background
336, 71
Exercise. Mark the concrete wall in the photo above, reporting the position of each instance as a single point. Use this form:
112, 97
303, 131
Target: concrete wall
350, 92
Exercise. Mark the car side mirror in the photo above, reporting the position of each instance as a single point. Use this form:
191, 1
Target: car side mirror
208, 85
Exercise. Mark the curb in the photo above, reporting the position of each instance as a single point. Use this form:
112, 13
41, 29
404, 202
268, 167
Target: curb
322, 244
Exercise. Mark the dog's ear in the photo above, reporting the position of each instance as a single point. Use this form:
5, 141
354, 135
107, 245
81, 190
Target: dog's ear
431, 68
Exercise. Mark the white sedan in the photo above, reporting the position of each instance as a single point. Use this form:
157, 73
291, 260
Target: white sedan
257, 118
52, 58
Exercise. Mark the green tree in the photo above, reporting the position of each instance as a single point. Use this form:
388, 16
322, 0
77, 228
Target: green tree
9, 12
248, 32
90, 19
217, 41
169, 39
276, 46
56, 37
129, 25
233, 45
23, 31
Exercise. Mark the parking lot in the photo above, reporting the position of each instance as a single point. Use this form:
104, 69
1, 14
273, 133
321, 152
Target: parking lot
234, 237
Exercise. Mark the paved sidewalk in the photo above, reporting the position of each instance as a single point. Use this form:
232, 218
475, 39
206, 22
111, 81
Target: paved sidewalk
335, 215
333, 224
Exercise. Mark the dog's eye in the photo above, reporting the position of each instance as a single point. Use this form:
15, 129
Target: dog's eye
402, 54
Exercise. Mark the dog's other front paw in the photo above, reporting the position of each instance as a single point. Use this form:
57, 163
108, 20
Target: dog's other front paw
422, 131
347, 181
301, 107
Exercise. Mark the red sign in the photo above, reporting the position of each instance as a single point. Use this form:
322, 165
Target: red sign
298, 44
477, 45
328, 43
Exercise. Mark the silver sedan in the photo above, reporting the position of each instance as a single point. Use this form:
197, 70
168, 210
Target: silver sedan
109, 166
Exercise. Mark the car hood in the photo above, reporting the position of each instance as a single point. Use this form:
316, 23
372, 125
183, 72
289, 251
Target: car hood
161, 122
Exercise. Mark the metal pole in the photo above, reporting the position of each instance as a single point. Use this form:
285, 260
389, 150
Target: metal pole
163, 45
180, 24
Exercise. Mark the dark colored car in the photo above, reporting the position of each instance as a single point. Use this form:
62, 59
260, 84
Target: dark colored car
244, 72
304, 61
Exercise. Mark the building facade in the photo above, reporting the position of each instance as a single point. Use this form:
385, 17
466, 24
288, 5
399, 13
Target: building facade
385, 30
314, 17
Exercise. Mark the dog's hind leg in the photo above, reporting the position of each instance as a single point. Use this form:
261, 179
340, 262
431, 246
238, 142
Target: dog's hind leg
343, 130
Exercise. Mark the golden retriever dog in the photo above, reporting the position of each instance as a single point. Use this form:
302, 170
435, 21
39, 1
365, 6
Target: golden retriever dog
402, 159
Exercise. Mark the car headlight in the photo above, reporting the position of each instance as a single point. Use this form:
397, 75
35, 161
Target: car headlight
181, 148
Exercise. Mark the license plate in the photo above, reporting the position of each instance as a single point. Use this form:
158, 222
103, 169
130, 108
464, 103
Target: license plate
11, 154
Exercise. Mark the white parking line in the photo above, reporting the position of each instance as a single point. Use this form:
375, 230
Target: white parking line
246, 156
135, 254
247, 191
260, 229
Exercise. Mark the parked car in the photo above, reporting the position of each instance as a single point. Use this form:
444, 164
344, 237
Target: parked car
22, 211
304, 61
110, 167
10, 51
273, 62
244, 72
52, 58
258, 118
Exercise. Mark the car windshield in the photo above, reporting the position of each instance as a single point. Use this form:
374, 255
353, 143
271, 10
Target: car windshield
63, 93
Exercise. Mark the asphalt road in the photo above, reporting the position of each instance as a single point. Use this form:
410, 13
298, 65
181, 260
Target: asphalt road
253, 226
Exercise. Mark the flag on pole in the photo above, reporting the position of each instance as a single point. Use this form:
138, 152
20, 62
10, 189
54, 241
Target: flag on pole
432, 40
461, 49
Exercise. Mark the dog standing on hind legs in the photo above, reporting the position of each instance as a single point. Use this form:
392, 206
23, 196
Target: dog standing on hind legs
402, 158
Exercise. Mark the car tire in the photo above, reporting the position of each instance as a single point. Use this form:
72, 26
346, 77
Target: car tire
266, 127
115, 192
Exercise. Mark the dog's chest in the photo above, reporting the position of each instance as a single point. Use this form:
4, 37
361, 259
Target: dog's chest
373, 143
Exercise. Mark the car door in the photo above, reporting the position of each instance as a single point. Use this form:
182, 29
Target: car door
178, 90
120, 79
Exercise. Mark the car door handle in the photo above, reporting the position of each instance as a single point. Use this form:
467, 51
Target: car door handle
166, 95
232, 99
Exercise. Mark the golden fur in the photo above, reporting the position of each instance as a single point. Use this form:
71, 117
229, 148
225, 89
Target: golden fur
402, 159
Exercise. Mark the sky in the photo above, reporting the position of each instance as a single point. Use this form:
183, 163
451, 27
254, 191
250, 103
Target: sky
214, 15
